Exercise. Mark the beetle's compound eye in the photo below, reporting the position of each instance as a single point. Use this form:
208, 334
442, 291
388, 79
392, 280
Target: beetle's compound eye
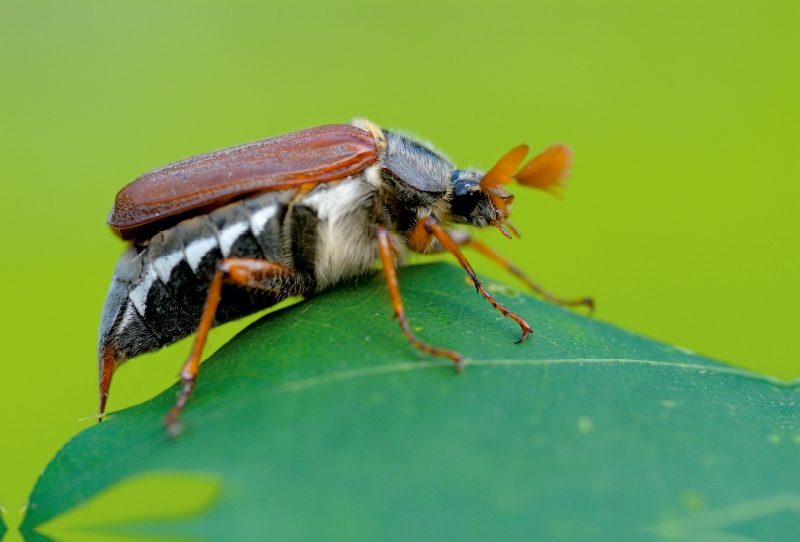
466, 194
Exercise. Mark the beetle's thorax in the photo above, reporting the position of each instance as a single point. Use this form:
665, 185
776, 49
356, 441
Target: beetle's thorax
413, 183
419, 182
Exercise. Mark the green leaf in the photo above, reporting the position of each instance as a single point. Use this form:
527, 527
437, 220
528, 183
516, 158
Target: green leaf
322, 423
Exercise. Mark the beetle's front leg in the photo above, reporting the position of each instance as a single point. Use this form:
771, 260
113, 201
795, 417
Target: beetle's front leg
431, 226
246, 272
382, 235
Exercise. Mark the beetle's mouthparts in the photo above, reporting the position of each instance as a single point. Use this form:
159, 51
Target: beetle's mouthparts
500, 227
513, 229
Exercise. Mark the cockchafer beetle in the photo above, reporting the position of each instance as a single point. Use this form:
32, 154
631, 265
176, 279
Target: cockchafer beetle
219, 236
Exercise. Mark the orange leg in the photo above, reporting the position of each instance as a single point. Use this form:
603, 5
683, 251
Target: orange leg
397, 303
247, 272
431, 225
462, 238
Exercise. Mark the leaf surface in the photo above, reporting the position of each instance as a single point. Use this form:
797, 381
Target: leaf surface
322, 423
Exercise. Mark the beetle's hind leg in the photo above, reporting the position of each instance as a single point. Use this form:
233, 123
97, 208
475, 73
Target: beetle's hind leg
431, 226
462, 238
385, 249
246, 272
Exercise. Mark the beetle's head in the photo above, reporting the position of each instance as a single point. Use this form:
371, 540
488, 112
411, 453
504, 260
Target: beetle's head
469, 204
481, 200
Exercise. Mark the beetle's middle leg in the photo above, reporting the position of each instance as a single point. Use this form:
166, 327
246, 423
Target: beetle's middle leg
246, 272
430, 226
462, 238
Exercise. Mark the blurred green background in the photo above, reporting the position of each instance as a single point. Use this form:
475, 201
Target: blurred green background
681, 219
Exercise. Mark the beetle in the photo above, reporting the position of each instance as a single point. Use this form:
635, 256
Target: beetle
219, 236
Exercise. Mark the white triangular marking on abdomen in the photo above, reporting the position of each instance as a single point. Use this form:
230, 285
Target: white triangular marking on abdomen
259, 219
197, 249
229, 235
130, 310
165, 264
138, 295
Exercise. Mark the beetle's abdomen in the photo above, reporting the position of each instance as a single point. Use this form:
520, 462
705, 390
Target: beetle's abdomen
158, 291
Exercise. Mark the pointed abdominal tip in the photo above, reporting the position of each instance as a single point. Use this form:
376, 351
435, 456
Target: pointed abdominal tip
547, 170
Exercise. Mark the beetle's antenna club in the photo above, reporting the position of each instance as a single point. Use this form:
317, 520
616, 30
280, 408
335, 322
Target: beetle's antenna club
545, 171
